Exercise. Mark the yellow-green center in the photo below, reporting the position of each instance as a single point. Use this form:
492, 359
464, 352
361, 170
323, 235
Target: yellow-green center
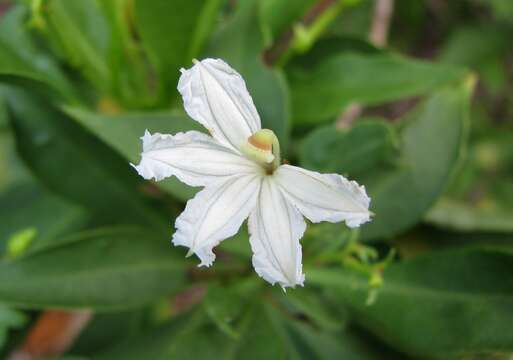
263, 147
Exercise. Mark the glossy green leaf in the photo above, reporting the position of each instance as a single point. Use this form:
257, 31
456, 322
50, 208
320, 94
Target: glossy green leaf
270, 334
132, 80
314, 344
81, 32
28, 207
74, 164
502, 9
173, 32
22, 62
459, 216
326, 239
332, 45
12, 170
432, 141
309, 304
9, 318
238, 244
279, 15
103, 269
442, 305
322, 92
265, 334
223, 306
261, 339
362, 148
106, 329
123, 133
474, 46
483, 50
397, 166
240, 43
188, 336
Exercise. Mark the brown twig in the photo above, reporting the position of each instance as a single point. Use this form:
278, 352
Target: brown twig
383, 10
378, 36
351, 112
272, 54
186, 299
5, 5
53, 333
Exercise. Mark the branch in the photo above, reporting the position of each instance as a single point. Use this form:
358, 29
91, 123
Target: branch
383, 10
283, 44
53, 333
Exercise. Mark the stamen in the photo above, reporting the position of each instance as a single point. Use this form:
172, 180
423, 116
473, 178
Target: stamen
263, 147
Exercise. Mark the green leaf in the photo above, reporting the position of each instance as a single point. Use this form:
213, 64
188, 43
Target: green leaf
238, 245
269, 334
279, 15
432, 141
173, 32
104, 270
9, 318
127, 60
123, 132
314, 344
502, 9
82, 32
362, 148
223, 306
265, 334
442, 305
75, 165
482, 49
106, 329
332, 45
474, 46
326, 239
322, 92
187, 336
460, 216
12, 170
398, 165
22, 62
27, 207
308, 303
240, 43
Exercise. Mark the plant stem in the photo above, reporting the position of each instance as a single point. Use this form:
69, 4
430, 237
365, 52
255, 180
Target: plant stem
52, 335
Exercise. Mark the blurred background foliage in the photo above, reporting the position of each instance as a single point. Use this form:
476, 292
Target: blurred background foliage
426, 123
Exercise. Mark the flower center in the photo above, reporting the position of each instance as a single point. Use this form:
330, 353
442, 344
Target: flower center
263, 147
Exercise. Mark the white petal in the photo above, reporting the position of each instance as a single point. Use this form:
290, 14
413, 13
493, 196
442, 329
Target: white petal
215, 95
324, 197
194, 158
214, 214
275, 228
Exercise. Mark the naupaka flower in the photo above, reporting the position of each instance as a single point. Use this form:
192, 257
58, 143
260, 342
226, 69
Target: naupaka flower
240, 168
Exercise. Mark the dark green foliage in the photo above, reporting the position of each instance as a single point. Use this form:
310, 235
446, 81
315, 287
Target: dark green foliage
80, 82
440, 305
105, 269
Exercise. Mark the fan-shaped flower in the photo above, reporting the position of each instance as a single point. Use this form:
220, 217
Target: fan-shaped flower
240, 168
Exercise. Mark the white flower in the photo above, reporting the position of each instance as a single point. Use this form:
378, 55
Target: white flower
239, 166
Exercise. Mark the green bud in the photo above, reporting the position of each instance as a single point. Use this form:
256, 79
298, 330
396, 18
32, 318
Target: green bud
19, 242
